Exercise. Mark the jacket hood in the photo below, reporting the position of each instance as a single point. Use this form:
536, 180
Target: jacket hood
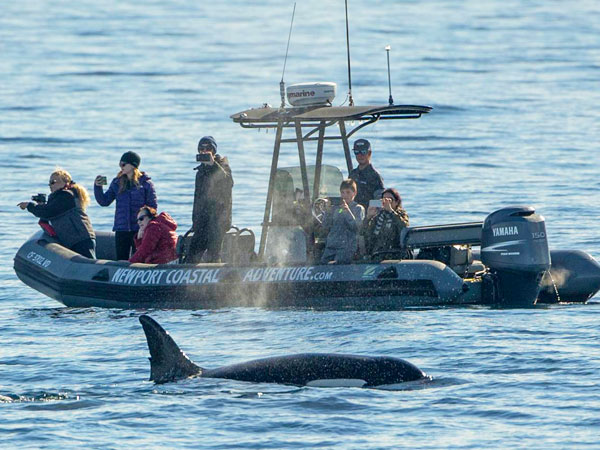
165, 219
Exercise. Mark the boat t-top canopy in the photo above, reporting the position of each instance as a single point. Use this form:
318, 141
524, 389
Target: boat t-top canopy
317, 118
263, 117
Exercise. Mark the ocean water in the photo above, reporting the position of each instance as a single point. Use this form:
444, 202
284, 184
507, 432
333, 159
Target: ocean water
514, 87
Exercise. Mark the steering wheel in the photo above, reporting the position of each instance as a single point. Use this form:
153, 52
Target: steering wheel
318, 208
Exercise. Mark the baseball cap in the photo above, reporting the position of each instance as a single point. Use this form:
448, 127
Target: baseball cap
361, 146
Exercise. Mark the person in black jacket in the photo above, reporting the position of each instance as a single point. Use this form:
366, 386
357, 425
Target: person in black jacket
211, 217
65, 210
368, 180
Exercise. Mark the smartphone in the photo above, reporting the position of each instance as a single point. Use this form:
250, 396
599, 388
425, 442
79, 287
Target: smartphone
203, 157
335, 201
103, 181
375, 203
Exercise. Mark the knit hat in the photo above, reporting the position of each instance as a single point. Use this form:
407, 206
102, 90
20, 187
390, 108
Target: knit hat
206, 143
362, 146
131, 158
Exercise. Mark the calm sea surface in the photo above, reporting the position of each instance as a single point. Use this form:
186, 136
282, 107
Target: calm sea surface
515, 90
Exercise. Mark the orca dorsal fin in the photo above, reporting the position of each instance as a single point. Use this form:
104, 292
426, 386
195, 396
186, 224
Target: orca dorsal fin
167, 361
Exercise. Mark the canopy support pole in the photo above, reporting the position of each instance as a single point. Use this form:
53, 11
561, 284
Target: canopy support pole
344, 137
319, 161
302, 158
267, 216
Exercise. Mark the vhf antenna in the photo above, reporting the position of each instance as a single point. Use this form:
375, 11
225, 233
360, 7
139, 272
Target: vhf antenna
281, 83
387, 49
350, 99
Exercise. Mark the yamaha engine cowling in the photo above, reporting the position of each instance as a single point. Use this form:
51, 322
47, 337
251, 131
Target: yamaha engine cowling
515, 249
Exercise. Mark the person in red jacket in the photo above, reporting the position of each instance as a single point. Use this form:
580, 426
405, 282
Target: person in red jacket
156, 240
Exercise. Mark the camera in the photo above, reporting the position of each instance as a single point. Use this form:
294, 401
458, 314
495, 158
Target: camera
39, 198
203, 157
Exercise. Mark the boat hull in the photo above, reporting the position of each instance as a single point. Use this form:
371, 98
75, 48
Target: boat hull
80, 282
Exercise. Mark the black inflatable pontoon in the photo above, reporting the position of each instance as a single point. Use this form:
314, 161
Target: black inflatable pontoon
514, 272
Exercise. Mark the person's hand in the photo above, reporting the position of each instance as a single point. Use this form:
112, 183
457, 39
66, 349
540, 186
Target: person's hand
98, 180
386, 203
212, 159
140, 233
23, 205
371, 212
344, 205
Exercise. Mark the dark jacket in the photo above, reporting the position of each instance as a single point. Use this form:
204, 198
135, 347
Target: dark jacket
157, 246
368, 181
212, 195
129, 202
71, 223
384, 229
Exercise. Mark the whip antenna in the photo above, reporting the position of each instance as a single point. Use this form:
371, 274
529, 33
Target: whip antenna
281, 83
387, 49
351, 100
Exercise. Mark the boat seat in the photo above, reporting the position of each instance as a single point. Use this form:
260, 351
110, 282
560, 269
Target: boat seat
238, 246
442, 235
286, 244
105, 245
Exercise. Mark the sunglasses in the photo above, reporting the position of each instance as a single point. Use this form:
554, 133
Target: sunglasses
141, 218
361, 152
52, 182
122, 164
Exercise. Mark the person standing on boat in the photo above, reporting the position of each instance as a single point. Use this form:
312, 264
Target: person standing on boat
368, 180
343, 223
156, 239
65, 212
211, 217
385, 224
131, 189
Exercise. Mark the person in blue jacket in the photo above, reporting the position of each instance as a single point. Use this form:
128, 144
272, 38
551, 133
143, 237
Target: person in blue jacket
131, 189
342, 223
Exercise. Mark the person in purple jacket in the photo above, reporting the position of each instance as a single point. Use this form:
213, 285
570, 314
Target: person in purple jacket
131, 189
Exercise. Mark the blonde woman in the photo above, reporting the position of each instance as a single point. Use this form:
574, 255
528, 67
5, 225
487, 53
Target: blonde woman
65, 210
131, 189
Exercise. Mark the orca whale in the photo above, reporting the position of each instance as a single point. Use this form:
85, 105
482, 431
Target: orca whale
169, 363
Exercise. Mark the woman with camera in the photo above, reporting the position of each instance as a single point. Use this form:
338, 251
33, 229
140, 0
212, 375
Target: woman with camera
65, 210
385, 224
131, 189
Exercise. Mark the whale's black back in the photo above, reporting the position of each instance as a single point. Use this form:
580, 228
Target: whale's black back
169, 363
303, 368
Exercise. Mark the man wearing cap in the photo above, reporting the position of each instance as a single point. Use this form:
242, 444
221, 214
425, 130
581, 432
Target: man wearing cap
211, 217
368, 180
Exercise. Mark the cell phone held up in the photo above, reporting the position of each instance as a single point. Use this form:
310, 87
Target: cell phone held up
203, 157
102, 181
375, 203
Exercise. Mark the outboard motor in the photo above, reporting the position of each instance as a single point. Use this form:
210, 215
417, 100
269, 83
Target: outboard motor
515, 249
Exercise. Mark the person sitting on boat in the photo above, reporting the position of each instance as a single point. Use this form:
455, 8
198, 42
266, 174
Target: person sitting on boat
385, 224
65, 212
368, 180
343, 224
131, 189
156, 239
211, 217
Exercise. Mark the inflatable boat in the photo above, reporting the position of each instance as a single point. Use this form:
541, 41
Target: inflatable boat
514, 271
503, 260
